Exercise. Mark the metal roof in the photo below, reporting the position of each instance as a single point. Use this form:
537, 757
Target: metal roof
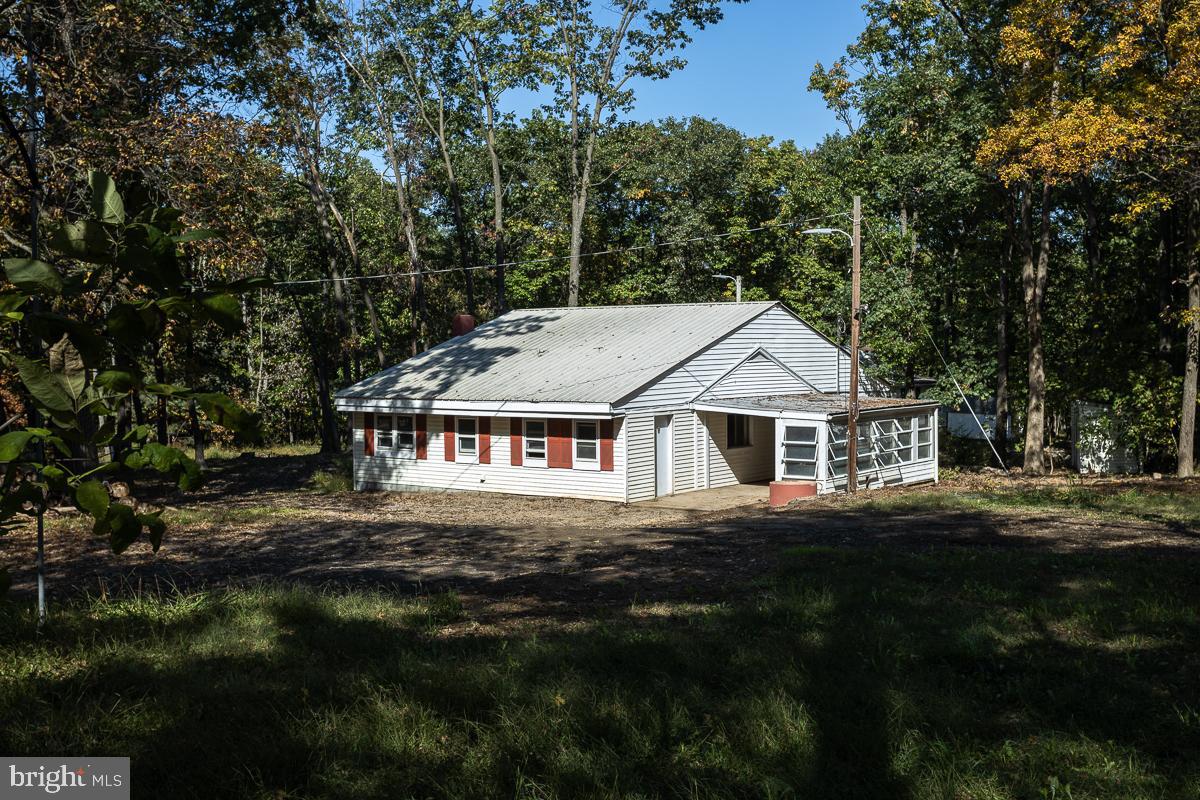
815, 403
590, 354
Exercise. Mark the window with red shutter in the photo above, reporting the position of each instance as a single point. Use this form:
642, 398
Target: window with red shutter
606, 445
485, 440
369, 434
448, 438
422, 437
516, 453
558, 449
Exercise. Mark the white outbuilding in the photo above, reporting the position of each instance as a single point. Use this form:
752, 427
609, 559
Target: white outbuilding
628, 403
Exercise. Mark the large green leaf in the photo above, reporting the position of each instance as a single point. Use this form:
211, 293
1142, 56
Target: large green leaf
166, 460
44, 385
33, 276
155, 528
197, 235
246, 284
92, 497
225, 310
123, 527
13, 443
66, 362
51, 327
118, 380
85, 240
106, 201
222, 410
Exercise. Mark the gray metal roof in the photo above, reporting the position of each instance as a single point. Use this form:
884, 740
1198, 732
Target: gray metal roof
816, 403
591, 354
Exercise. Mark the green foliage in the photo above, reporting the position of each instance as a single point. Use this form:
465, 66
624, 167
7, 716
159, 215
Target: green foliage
133, 251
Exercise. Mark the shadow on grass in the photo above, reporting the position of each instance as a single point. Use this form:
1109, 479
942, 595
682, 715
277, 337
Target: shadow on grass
852, 673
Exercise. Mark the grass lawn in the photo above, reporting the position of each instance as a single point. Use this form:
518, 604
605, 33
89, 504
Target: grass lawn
1149, 502
853, 673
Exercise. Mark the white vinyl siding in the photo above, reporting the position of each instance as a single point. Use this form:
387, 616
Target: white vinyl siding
741, 464
683, 451
758, 375
394, 473
794, 343
639, 437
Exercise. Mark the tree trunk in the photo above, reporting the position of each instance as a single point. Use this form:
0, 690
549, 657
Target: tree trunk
1166, 278
1187, 417
197, 433
1033, 279
578, 205
1004, 336
160, 422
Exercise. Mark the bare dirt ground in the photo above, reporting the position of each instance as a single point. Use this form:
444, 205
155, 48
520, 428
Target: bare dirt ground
518, 556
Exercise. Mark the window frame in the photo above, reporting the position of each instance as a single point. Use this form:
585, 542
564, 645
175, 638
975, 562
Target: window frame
923, 437
401, 449
577, 460
814, 443
532, 460
383, 447
729, 431
460, 437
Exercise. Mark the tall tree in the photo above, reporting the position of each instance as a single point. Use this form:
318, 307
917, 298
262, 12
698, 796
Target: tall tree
594, 62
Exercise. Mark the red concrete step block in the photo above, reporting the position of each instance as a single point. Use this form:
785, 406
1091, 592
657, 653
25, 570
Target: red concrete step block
784, 492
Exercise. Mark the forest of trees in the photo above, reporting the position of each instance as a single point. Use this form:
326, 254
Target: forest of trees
1030, 173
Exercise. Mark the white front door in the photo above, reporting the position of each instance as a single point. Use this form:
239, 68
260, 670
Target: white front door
663, 468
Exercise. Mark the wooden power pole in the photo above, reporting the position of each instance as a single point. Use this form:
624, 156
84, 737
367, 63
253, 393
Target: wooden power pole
852, 400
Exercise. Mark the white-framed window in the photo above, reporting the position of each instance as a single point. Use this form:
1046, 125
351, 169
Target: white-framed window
468, 442
799, 451
587, 443
383, 434
406, 436
838, 452
924, 429
535, 442
737, 431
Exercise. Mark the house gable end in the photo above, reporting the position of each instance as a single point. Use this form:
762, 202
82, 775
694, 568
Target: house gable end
758, 373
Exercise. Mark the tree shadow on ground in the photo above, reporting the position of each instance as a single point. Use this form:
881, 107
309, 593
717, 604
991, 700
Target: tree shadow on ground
851, 673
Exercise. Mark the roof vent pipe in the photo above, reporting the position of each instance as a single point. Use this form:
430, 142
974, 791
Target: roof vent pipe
462, 323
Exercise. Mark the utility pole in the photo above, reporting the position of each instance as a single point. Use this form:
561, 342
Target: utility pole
855, 314
852, 400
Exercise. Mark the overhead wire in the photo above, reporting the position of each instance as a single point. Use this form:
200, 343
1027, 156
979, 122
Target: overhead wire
550, 259
946, 364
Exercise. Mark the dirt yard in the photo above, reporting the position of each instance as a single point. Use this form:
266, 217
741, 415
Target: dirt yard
535, 556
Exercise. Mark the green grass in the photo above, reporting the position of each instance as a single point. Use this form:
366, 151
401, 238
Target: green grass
1149, 504
218, 452
854, 673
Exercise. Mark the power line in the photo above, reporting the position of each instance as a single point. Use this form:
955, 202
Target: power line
548, 259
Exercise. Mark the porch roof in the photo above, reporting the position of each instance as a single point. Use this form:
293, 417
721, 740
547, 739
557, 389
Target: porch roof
809, 404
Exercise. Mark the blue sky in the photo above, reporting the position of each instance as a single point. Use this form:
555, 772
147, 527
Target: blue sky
751, 70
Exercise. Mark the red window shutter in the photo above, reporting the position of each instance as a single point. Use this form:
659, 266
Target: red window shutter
484, 425
606, 445
516, 441
421, 427
448, 438
558, 446
369, 434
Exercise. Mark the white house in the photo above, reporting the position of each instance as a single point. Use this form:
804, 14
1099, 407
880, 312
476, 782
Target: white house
627, 403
